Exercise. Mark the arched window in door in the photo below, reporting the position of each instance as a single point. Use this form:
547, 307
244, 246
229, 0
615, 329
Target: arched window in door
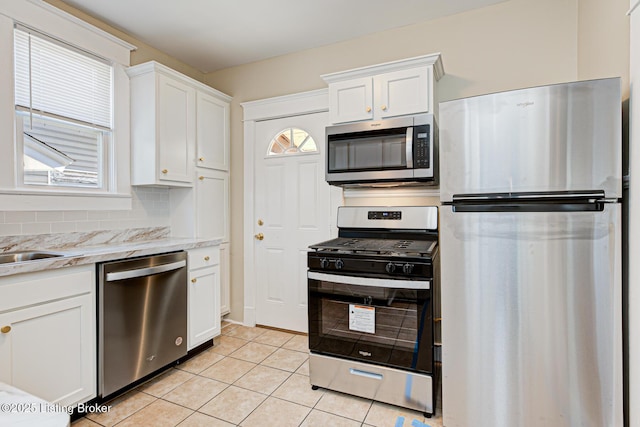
292, 141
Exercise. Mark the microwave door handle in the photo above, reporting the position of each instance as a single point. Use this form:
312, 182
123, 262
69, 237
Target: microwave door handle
409, 147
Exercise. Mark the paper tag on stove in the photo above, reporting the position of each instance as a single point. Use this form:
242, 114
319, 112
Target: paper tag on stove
362, 318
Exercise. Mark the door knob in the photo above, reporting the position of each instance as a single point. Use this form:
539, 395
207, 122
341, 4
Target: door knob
201, 159
194, 280
260, 222
165, 171
384, 108
368, 109
5, 329
259, 236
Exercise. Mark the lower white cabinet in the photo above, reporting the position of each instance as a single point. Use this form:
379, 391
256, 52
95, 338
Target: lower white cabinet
203, 295
48, 334
225, 279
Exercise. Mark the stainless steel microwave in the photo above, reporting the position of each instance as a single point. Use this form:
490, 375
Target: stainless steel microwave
386, 152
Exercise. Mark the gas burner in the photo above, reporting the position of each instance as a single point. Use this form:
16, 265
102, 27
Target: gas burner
349, 243
403, 244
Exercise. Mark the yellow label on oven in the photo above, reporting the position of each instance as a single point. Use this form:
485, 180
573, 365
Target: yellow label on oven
362, 318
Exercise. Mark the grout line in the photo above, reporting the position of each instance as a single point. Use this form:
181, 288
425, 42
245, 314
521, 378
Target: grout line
227, 385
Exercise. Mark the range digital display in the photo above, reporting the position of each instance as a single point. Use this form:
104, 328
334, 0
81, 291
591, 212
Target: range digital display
396, 215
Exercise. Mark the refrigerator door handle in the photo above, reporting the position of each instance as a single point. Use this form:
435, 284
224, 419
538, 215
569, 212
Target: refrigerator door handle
588, 196
558, 201
514, 206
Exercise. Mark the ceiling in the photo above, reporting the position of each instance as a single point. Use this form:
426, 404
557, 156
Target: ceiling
213, 34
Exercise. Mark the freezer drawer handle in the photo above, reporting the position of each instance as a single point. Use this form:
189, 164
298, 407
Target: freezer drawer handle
365, 374
148, 271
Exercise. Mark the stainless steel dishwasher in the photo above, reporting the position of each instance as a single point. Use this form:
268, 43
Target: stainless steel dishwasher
142, 318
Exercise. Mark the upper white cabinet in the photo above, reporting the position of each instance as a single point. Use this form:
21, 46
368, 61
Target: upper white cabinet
212, 145
386, 90
212, 205
177, 124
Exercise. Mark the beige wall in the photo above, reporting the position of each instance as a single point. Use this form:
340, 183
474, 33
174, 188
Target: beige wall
514, 44
143, 53
603, 41
509, 45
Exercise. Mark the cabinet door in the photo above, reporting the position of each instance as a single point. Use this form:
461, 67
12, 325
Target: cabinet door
176, 130
212, 139
351, 100
204, 305
50, 351
225, 279
402, 92
212, 205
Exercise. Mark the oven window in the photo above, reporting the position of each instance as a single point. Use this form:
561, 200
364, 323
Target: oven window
362, 153
385, 326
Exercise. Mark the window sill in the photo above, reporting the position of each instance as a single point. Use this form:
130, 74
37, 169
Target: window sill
24, 200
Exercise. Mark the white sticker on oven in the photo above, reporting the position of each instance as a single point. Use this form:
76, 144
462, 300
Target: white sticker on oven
362, 318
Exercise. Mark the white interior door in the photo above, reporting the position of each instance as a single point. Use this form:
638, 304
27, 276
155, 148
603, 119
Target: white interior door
292, 211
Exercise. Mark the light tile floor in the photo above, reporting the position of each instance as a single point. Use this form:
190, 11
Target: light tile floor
251, 377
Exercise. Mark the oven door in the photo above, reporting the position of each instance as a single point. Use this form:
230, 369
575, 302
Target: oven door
381, 321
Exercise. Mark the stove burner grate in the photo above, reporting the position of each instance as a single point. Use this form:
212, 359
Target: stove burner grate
366, 246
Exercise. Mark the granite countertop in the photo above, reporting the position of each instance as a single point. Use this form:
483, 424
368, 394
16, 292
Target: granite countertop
90, 248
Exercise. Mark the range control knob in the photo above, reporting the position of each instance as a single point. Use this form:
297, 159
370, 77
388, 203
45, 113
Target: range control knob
391, 267
324, 263
339, 264
407, 268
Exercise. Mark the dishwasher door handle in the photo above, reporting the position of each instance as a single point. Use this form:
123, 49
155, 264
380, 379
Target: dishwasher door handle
147, 271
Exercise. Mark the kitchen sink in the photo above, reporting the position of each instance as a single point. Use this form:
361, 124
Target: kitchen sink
11, 257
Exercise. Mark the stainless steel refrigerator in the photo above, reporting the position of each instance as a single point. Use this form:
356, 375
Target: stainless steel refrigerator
530, 242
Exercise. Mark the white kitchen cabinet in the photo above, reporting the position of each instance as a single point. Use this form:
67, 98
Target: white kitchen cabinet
48, 334
203, 295
225, 279
177, 123
386, 90
212, 205
202, 211
163, 121
212, 136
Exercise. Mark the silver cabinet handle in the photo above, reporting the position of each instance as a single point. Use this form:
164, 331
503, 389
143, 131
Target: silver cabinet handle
141, 272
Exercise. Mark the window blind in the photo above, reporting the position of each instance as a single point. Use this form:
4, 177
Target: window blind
62, 81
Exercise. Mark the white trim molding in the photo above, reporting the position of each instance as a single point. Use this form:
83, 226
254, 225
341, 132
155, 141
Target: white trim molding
314, 101
434, 59
84, 24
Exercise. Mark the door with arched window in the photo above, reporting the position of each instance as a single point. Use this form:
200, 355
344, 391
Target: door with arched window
292, 208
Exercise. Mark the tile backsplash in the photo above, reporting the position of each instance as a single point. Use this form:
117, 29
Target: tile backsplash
150, 208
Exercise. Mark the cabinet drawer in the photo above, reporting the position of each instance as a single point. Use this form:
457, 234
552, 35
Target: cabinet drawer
27, 289
204, 257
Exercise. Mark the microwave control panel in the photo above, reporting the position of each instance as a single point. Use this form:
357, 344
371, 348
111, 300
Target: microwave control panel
421, 147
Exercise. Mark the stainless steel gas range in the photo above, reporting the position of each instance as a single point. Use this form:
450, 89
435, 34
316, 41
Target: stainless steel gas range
374, 306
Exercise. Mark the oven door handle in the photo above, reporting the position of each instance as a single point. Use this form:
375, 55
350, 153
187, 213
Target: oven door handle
370, 281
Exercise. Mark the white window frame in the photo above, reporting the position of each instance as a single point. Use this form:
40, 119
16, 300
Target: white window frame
57, 24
